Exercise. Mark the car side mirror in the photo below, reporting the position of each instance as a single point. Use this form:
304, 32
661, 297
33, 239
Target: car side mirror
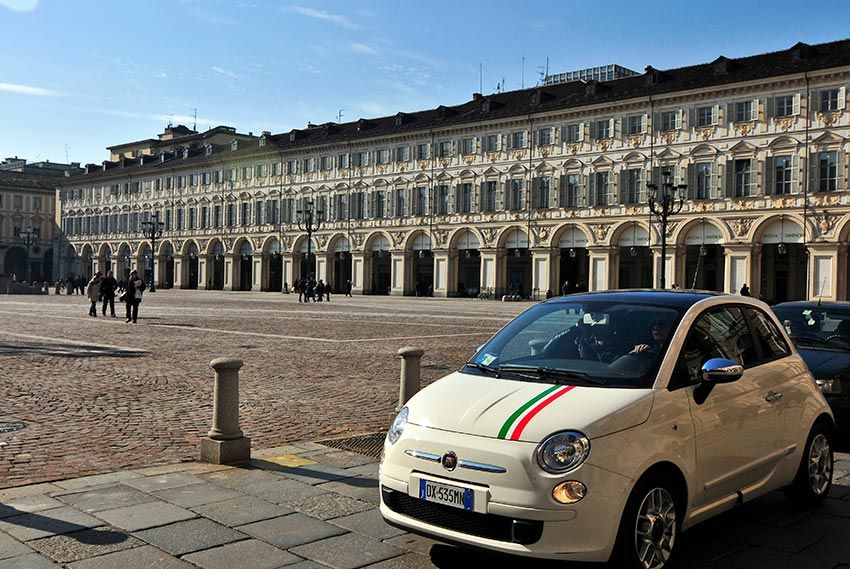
721, 370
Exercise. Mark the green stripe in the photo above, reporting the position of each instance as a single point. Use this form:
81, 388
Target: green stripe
506, 427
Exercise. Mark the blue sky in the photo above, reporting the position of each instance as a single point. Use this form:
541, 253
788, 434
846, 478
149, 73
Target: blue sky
90, 74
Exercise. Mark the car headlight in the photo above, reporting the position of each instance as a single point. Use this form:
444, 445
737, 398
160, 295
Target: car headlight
829, 386
398, 425
563, 452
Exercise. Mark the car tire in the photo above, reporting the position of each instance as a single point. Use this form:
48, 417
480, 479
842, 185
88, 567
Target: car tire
650, 526
814, 476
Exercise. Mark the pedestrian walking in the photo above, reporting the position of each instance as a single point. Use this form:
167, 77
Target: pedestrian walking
320, 290
107, 292
300, 288
133, 296
311, 289
745, 290
566, 288
328, 292
348, 287
70, 284
94, 293
81, 284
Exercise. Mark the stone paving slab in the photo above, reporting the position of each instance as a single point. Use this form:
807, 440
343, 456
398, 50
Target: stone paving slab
292, 530
311, 474
331, 505
407, 561
31, 490
187, 537
359, 487
348, 551
248, 553
145, 557
106, 498
241, 511
29, 561
154, 482
369, 523
57, 521
10, 547
97, 480
84, 544
144, 516
28, 504
197, 494
282, 490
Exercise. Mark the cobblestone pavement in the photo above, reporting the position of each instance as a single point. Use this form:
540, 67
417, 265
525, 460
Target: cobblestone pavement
306, 506
98, 395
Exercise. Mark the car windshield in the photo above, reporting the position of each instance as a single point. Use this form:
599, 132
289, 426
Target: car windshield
816, 326
593, 342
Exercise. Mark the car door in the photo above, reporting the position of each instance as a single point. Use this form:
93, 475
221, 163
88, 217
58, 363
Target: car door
783, 374
737, 431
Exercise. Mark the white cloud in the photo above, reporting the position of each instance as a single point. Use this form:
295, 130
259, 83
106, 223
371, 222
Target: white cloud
20, 5
225, 72
374, 109
364, 49
28, 90
336, 19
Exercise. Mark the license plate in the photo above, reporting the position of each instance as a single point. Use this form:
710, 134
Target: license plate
454, 496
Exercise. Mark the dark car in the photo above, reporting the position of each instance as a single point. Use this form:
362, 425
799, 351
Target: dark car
821, 332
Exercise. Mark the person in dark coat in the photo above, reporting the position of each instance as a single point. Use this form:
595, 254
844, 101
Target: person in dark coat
566, 288
311, 290
135, 288
745, 290
108, 286
320, 290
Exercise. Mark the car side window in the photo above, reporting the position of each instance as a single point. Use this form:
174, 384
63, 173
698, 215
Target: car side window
772, 343
717, 333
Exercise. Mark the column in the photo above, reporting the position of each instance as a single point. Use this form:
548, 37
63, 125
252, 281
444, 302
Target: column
202, 272
358, 271
179, 272
288, 270
603, 263
541, 263
230, 264
668, 266
823, 271
261, 277
738, 268
399, 269
443, 272
322, 266
488, 277
258, 261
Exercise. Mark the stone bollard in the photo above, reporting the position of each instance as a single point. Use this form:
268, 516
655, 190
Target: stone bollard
411, 360
225, 443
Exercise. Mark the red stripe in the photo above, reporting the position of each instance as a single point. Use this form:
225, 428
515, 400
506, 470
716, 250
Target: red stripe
540, 406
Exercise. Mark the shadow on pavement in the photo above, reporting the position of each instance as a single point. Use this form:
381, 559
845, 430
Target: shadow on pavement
756, 534
65, 350
55, 526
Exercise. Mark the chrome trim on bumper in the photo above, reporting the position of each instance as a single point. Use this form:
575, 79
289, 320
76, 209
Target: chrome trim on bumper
467, 464
423, 455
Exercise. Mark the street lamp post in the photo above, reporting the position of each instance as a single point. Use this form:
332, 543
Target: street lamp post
664, 202
28, 237
309, 220
152, 230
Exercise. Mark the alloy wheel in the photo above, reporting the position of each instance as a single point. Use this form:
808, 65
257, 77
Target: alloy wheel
655, 530
820, 464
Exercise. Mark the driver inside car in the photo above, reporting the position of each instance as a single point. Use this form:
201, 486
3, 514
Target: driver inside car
660, 330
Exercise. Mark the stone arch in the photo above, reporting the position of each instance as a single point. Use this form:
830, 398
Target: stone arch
271, 245
621, 228
564, 229
517, 170
104, 250
301, 242
166, 247
703, 150
339, 242
784, 142
418, 240
681, 234
842, 231
187, 247
466, 238
215, 247
513, 236
239, 246
573, 164
786, 223
467, 173
633, 157
143, 249
379, 239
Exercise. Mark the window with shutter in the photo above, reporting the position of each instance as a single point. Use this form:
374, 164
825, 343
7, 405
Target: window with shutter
754, 110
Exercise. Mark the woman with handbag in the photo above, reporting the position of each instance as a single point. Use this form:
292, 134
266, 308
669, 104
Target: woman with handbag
133, 296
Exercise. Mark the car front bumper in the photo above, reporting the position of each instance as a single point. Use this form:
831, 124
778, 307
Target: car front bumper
514, 510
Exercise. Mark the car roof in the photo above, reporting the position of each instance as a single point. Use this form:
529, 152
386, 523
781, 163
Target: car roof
676, 297
812, 304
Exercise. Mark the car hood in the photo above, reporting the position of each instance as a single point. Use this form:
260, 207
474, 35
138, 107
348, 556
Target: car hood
825, 364
526, 411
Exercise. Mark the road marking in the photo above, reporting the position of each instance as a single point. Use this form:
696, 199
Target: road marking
54, 340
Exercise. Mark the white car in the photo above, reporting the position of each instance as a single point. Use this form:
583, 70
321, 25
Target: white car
599, 426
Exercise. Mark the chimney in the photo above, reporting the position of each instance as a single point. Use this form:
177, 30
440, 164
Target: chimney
477, 96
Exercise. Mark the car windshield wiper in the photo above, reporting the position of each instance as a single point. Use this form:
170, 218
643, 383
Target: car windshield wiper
483, 367
563, 375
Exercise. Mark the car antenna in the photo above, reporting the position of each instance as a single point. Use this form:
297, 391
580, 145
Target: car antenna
820, 293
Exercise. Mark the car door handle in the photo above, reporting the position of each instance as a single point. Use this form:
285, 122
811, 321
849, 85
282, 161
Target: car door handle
773, 396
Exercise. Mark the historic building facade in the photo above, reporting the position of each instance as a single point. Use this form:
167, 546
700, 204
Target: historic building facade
520, 191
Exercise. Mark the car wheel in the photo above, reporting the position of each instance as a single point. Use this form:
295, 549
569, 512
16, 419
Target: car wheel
814, 477
650, 526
